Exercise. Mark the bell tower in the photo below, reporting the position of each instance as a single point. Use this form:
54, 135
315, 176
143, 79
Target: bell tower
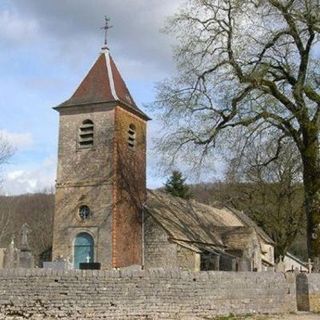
101, 174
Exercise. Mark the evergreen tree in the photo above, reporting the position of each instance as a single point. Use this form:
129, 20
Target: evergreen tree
176, 186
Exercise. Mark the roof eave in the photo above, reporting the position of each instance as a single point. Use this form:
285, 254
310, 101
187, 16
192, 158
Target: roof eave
136, 110
267, 261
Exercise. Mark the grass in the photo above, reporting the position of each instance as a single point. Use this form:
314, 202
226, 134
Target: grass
244, 317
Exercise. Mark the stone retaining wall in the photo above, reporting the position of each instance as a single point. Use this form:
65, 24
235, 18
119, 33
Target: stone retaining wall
135, 294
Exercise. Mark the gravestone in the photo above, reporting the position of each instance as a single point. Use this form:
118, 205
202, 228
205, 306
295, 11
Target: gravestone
280, 266
11, 255
2, 252
309, 265
25, 255
316, 265
25, 230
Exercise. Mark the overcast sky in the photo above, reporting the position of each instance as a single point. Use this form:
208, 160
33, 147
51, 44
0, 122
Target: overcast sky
46, 48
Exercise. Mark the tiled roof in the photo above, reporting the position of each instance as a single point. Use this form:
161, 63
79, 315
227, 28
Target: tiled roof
200, 225
249, 222
103, 83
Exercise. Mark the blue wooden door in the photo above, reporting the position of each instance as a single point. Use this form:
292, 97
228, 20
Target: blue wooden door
83, 249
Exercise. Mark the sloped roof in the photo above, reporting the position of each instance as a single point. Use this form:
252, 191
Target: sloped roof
196, 224
296, 259
103, 83
239, 237
249, 222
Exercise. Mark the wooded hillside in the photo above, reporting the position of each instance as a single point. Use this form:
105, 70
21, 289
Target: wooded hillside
278, 213
34, 209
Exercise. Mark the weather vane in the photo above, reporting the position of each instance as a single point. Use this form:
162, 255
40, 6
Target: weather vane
106, 27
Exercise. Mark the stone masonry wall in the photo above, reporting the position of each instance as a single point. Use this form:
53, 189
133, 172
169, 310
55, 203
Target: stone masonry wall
135, 294
84, 177
158, 251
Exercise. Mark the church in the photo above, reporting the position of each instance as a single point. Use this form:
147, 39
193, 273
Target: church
104, 214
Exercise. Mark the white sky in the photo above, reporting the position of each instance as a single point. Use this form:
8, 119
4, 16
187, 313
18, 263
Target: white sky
46, 48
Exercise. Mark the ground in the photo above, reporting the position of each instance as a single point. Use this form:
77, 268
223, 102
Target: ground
298, 316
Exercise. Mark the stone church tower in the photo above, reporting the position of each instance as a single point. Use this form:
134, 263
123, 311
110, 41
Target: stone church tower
101, 175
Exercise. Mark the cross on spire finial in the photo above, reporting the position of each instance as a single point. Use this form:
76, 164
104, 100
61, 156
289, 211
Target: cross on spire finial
106, 27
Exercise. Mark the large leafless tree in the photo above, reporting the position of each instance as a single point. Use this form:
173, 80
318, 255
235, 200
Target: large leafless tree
248, 66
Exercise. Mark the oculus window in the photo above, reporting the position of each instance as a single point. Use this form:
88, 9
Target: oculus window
84, 212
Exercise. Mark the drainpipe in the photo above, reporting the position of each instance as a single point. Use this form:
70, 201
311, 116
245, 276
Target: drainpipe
142, 237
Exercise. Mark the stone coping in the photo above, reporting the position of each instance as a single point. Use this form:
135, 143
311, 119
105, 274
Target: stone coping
129, 273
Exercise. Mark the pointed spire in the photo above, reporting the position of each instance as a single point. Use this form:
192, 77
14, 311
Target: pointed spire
103, 83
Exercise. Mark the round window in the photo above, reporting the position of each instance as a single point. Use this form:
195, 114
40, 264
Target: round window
84, 212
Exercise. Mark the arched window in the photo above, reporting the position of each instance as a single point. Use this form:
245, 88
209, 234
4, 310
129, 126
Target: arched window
86, 132
83, 249
132, 136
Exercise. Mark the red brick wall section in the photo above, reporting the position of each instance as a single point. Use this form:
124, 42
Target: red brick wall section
129, 190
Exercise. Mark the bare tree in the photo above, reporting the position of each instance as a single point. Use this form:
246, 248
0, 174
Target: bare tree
37, 211
271, 194
6, 150
4, 221
248, 67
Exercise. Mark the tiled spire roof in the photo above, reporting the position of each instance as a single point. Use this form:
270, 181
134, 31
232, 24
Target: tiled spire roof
103, 83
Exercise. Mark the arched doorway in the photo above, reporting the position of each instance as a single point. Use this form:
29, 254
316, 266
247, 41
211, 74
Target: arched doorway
83, 249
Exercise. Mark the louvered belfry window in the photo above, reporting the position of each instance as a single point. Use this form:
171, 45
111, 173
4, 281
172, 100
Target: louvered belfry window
132, 136
86, 134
